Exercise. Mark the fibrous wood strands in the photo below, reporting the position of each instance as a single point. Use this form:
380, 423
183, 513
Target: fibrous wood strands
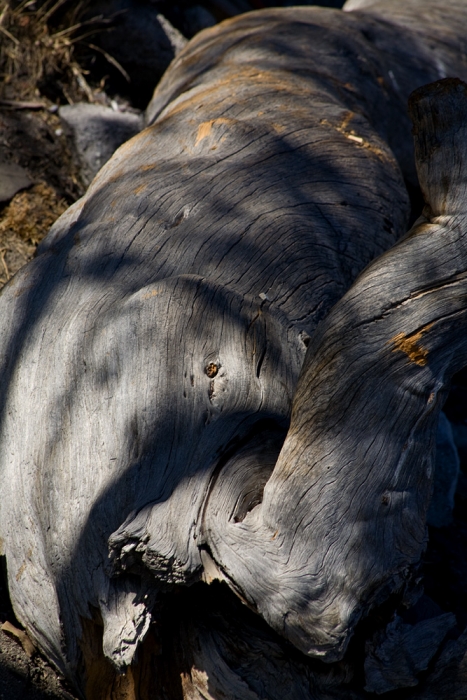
195, 386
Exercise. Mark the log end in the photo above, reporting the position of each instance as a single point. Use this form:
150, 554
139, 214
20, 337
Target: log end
438, 112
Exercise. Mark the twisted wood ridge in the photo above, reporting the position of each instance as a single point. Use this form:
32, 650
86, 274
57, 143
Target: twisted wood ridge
195, 386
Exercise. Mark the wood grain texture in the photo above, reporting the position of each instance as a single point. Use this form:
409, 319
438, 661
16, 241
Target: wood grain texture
343, 514
151, 357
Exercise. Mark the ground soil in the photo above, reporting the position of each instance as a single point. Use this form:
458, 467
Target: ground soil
34, 139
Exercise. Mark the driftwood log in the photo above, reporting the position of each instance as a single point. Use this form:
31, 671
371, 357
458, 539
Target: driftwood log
199, 385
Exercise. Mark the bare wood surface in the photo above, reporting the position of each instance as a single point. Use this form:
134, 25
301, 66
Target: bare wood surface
343, 514
160, 335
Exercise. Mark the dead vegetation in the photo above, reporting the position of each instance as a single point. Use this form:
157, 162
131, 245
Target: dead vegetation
38, 50
23, 224
39, 70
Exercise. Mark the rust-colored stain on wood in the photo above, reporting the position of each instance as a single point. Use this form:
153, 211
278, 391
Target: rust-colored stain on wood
243, 75
205, 128
24, 564
151, 294
409, 344
116, 176
211, 370
21, 571
278, 128
351, 135
347, 119
140, 189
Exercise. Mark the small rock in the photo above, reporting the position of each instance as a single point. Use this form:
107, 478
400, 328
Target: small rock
97, 132
13, 179
446, 474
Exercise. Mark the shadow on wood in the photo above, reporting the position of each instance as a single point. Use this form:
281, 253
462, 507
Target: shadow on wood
213, 390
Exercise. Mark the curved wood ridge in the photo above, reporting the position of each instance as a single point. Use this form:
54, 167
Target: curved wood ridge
161, 337
343, 514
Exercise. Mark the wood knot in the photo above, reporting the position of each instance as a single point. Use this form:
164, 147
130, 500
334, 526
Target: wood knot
211, 370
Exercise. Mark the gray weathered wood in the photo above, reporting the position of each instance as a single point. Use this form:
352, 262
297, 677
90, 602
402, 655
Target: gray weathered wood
343, 514
150, 358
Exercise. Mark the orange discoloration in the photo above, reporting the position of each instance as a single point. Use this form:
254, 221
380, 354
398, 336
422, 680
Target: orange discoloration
151, 294
140, 189
243, 75
149, 166
410, 345
278, 128
347, 119
205, 128
21, 571
211, 370
352, 136
116, 176
24, 564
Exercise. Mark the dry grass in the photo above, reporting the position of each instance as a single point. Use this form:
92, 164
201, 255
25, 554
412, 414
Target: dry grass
38, 47
23, 224
43, 44
38, 42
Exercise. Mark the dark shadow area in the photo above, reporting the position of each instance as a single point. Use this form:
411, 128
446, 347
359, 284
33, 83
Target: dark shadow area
445, 561
416, 202
207, 627
6, 610
23, 677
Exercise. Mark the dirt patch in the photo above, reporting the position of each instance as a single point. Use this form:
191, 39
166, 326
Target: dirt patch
35, 141
23, 224
23, 677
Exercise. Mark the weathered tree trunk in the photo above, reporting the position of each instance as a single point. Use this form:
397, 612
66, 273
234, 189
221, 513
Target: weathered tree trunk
195, 386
